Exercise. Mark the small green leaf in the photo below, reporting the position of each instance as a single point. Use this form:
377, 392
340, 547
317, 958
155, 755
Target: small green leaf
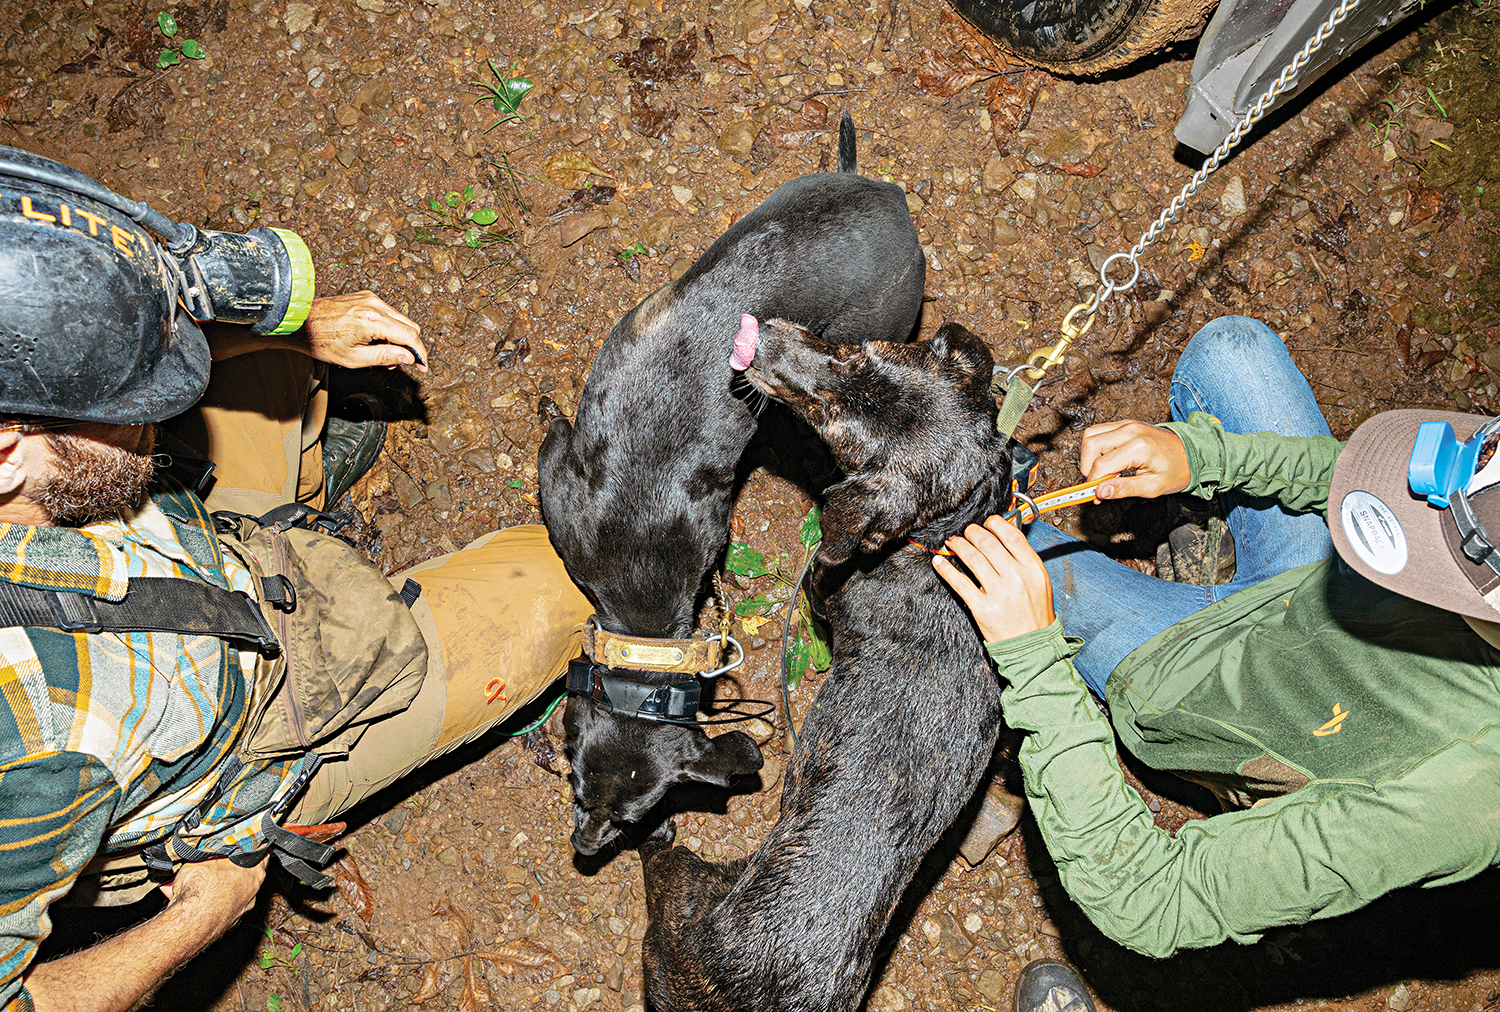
296, 951
432, 203
167, 58
472, 239
424, 234
167, 23
267, 960
819, 653
193, 51
453, 198
743, 560
757, 605
812, 528
797, 659
273, 1003
516, 483
485, 216
468, 192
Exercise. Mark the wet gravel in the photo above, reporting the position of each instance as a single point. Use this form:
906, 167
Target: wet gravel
651, 127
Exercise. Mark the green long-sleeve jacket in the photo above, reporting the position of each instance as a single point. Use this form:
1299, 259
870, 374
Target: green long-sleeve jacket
1361, 726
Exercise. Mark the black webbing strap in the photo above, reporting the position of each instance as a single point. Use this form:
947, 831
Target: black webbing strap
151, 604
410, 591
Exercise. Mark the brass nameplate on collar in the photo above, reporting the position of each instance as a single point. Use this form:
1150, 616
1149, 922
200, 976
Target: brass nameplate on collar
651, 656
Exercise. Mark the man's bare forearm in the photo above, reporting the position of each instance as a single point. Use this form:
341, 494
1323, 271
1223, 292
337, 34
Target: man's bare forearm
207, 898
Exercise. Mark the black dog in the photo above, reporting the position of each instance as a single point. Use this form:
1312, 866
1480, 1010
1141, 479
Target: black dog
906, 721
637, 493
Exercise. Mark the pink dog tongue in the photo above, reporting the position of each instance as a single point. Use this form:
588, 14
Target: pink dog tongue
744, 343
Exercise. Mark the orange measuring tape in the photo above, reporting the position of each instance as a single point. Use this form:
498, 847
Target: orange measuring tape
1052, 501
1036, 506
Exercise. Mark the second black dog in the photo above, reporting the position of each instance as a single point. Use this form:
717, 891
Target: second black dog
906, 721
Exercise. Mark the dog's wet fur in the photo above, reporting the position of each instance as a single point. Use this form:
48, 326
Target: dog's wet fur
637, 491
904, 725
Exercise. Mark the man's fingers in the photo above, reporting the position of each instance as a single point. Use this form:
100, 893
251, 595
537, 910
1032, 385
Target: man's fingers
961, 584
981, 553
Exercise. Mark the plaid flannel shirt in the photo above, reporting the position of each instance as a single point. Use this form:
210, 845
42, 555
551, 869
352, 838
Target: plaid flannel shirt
108, 739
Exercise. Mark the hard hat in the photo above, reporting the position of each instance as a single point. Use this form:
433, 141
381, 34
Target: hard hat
89, 322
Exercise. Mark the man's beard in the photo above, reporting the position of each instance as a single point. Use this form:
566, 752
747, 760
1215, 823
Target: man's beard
97, 478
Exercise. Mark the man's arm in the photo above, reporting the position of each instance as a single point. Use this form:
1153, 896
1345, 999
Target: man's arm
1198, 457
356, 331
1321, 851
206, 900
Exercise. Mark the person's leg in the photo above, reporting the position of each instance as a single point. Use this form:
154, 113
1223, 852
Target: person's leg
501, 619
1113, 607
1238, 370
259, 422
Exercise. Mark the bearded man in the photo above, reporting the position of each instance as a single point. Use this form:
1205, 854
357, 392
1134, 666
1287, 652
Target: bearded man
147, 647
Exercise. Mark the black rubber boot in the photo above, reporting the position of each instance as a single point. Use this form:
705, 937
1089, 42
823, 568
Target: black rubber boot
1050, 985
350, 447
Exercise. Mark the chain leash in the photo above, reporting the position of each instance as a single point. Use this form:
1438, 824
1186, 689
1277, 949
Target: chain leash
1017, 392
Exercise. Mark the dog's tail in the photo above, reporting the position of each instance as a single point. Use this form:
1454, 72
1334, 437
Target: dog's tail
848, 157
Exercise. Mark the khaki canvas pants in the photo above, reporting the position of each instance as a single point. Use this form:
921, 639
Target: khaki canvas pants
500, 616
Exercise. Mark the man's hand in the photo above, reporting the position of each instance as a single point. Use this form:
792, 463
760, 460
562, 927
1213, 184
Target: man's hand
215, 889
359, 330
1156, 455
1014, 593
204, 901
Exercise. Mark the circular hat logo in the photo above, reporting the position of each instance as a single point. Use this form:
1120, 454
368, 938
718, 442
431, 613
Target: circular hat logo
1374, 532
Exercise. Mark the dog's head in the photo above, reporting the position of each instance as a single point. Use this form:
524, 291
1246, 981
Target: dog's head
911, 425
622, 767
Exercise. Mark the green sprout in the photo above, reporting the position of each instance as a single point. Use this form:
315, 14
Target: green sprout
629, 253
453, 212
504, 95
173, 55
809, 645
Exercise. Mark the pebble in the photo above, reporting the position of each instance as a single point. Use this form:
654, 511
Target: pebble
737, 139
998, 815
298, 17
408, 493
1232, 201
576, 226
1400, 999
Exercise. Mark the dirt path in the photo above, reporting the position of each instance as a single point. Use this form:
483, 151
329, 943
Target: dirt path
651, 127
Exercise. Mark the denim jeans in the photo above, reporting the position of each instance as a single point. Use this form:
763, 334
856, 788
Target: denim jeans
1237, 370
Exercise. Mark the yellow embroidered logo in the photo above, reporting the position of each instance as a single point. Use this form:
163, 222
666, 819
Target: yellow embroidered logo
1332, 727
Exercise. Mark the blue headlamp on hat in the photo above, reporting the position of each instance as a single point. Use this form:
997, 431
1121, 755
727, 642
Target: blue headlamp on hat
1440, 465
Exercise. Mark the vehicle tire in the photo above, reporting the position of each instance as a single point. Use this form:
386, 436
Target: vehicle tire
1084, 36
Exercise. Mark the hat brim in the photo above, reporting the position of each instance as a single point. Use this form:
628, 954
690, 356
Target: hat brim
1374, 461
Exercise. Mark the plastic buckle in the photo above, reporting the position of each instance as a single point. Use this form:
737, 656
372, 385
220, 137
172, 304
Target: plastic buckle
278, 592
74, 612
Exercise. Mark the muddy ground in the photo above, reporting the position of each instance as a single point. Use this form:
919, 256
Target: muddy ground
1358, 226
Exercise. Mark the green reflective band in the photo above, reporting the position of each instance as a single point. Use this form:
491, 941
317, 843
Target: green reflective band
303, 276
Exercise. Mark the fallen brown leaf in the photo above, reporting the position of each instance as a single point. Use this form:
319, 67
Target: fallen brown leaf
733, 65
570, 169
1009, 101
477, 995
353, 887
945, 73
522, 960
1083, 169
430, 986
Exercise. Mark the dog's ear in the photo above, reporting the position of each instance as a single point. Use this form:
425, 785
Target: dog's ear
724, 757
862, 513
960, 347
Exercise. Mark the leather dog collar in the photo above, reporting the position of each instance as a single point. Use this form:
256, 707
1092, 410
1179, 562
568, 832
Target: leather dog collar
676, 701
643, 653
